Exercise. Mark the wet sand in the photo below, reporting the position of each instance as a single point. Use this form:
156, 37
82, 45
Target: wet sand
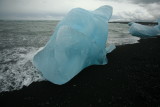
131, 78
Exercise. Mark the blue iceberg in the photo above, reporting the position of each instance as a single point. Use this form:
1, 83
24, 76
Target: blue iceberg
143, 30
79, 41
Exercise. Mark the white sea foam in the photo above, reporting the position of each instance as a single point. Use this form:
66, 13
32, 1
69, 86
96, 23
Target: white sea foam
16, 68
119, 35
123, 41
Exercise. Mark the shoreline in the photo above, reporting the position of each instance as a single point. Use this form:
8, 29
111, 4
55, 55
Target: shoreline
140, 22
131, 78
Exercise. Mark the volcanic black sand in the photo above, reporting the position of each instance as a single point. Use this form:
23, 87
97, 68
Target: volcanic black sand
131, 78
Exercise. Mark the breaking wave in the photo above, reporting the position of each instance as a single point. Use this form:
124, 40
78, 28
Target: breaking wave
16, 68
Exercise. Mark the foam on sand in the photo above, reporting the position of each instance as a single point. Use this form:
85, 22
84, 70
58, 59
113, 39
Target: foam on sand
16, 69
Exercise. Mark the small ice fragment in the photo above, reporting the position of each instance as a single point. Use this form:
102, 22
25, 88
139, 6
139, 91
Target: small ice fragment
143, 30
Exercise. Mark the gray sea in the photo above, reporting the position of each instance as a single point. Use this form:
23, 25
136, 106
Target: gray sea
20, 40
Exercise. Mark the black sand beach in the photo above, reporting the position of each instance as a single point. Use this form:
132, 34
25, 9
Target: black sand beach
131, 78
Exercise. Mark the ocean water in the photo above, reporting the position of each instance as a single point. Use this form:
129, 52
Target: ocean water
20, 40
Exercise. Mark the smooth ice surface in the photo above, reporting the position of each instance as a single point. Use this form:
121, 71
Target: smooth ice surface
143, 30
79, 41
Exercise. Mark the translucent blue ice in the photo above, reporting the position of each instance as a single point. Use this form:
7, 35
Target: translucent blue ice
143, 30
79, 41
